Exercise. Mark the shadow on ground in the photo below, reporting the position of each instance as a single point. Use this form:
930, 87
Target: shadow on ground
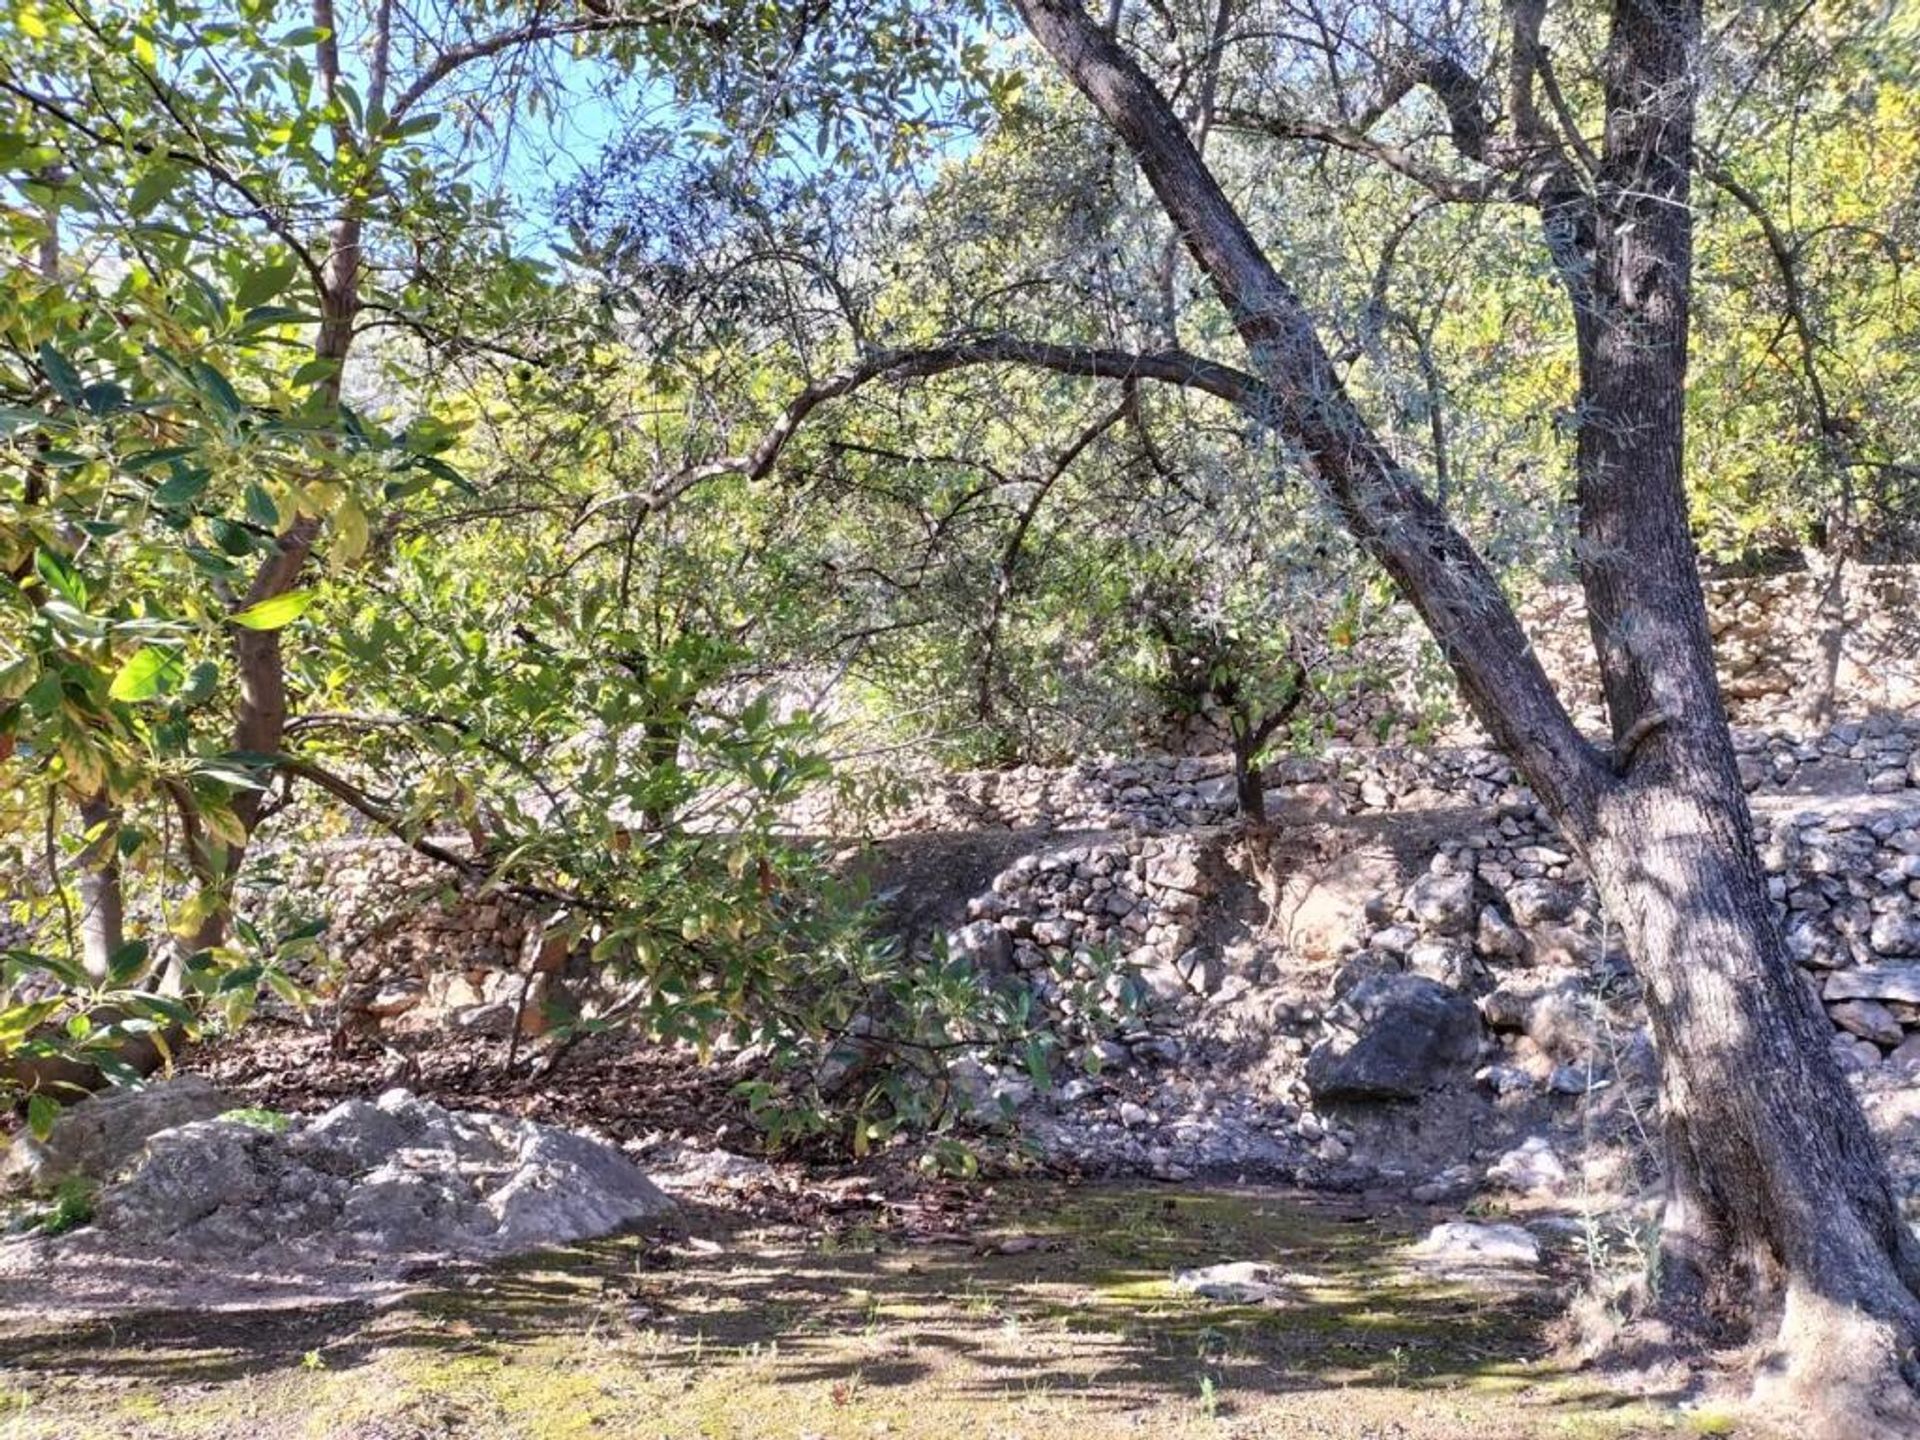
1059, 1321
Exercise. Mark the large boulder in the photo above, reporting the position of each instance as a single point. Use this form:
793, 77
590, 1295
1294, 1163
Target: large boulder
1393, 1038
101, 1135
369, 1182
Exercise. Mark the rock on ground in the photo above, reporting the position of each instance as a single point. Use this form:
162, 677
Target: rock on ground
369, 1189
1460, 1244
103, 1134
1395, 1036
1237, 1282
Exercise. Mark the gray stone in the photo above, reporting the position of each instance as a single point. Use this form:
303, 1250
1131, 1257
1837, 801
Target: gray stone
1875, 982
1906, 1054
396, 999
1505, 1079
1531, 1168
1496, 939
494, 1018
1855, 1054
375, 1182
101, 1135
1238, 1282
984, 945
1443, 960
1363, 965
1506, 1008
1535, 901
1460, 1244
1395, 1036
1811, 945
1559, 1023
1442, 904
1394, 939
1575, 1080
1868, 1019
1896, 933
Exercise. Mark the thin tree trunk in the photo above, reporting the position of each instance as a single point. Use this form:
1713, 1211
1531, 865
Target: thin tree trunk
1773, 1165
103, 916
1249, 784
260, 719
1831, 645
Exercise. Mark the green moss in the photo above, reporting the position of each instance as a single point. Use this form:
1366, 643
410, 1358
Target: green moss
1075, 1333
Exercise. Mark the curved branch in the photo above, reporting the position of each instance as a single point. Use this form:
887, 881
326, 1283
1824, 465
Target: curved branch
1431, 561
1172, 367
533, 33
1455, 188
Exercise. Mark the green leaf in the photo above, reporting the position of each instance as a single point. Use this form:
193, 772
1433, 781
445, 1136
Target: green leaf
263, 283
214, 385
260, 507
275, 613
146, 673
61, 578
200, 683
314, 371
152, 188
263, 317
42, 1110
127, 962
183, 487
60, 373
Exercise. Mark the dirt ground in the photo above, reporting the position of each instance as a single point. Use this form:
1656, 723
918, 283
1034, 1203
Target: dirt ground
1052, 1316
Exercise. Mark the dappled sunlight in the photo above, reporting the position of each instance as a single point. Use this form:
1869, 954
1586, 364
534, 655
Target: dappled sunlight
1062, 1307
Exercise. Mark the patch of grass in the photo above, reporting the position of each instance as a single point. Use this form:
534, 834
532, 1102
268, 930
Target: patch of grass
68, 1208
259, 1117
1712, 1422
1081, 1338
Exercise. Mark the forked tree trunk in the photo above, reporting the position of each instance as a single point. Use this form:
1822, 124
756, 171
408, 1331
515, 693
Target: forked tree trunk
1777, 1190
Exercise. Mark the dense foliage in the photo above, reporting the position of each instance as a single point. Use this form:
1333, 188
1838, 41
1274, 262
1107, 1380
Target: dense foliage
366, 466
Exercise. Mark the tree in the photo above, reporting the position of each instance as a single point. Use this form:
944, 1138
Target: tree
306, 169
1765, 1216
1759, 1202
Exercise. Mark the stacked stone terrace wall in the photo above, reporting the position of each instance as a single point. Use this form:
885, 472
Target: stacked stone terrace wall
1846, 874
1771, 635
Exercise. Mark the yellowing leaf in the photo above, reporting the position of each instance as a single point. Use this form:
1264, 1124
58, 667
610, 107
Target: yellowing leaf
350, 532
146, 673
275, 613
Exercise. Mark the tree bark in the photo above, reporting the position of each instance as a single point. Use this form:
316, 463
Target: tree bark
1761, 1196
103, 915
1778, 1191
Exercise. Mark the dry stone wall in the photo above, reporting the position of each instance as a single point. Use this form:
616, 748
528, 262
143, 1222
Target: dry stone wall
1771, 636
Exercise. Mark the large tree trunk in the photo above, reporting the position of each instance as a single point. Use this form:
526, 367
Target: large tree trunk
1777, 1196
1757, 1193
1777, 1187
